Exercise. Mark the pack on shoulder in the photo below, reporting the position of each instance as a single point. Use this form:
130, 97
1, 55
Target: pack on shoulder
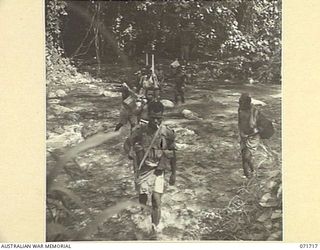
169, 134
130, 102
265, 127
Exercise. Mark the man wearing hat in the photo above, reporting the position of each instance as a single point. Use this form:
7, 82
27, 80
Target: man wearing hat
151, 146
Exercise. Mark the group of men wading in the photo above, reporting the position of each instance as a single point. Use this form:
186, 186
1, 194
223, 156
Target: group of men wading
151, 145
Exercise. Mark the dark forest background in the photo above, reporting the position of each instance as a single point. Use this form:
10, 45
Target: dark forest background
244, 34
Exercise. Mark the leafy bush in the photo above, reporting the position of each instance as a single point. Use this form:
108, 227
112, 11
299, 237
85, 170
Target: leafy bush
57, 66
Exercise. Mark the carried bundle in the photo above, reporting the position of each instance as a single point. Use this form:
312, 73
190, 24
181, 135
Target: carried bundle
265, 127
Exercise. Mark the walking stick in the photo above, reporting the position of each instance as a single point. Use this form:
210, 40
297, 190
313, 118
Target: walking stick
152, 58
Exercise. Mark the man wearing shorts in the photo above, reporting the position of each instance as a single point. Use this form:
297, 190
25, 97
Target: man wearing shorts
152, 148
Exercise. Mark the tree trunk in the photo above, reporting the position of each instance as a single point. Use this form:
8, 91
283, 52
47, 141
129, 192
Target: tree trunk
97, 37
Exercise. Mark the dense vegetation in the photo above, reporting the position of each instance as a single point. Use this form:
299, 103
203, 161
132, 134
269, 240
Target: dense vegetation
246, 35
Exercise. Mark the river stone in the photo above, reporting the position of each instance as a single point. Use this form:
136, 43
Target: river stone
63, 140
58, 109
234, 94
179, 197
181, 146
184, 131
266, 197
53, 101
276, 215
52, 95
189, 114
107, 93
61, 93
268, 201
72, 116
167, 103
258, 102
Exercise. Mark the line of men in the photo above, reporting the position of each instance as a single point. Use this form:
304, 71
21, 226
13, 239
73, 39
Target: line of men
151, 145
149, 87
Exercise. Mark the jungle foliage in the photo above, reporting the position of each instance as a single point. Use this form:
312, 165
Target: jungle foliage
244, 34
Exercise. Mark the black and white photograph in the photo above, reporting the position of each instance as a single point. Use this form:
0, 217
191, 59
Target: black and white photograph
163, 120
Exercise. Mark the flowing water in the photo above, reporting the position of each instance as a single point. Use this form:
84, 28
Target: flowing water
209, 169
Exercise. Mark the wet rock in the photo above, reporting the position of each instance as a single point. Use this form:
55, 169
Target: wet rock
268, 201
184, 131
234, 94
53, 101
276, 215
179, 197
78, 183
181, 146
188, 114
82, 163
258, 102
58, 130
88, 90
251, 81
58, 109
71, 136
111, 93
72, 116
61, 93
63, 140
266, 197
91, 128
231, 112
52, 95
167, 103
